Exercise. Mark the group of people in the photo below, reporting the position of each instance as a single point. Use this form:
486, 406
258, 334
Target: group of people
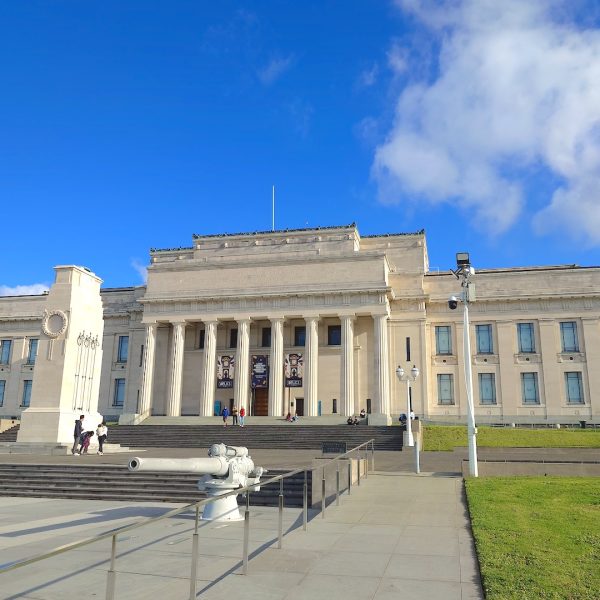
83, 437
238, 417
291, 418
352, 420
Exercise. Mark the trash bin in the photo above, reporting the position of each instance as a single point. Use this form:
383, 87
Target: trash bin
583, 424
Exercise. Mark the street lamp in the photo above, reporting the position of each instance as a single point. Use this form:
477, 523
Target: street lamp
464, 272
414, 373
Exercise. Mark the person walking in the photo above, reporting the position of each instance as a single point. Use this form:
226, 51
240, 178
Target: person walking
77, 434
225, 414
242, 416
102, 433
234, 415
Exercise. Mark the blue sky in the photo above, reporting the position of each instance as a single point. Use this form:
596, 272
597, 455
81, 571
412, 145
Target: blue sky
126, 125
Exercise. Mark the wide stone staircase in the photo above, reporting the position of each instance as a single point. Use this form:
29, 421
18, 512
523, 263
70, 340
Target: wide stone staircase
114, 482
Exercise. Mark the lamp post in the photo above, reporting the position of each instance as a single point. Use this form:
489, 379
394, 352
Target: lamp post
414, 373
464, 272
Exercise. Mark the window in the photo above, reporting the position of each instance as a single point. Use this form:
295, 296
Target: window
299, 336
568, 336
443, 339
201, 339
5, 351
233, 338
266, 337
123, 349
574, 387
487, 388
334, 335
334, 409
119, 395
26, 393
32, 351
529, 385
2, 387
445, 389
526, 337
484, 339
141, 355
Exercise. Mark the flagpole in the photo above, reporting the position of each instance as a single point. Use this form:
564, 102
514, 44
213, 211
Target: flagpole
273, 225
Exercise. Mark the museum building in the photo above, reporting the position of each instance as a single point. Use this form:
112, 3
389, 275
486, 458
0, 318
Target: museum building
315, 322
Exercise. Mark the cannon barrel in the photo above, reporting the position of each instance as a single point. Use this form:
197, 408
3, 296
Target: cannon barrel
216, 465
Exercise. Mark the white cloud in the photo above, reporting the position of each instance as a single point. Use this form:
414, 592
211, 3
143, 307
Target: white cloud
24, 290
517, 86
141, 269
368, 77
397, 58
274, 69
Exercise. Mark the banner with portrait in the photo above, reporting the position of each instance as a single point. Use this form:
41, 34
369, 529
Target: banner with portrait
293, 369
260, 371
225, 371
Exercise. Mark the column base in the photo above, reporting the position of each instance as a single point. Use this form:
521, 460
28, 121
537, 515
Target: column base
379, 419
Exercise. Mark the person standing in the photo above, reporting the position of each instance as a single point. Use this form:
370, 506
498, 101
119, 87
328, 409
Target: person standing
87, 438
77, 434
225, 414
234, 415
102, 433
242, 416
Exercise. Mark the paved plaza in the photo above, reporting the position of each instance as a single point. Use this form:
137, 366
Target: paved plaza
396, 536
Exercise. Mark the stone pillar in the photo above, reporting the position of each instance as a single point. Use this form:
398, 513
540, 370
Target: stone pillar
176, 370
381, 410
242, 367
311, 375
276, 369
145, 406
347, 365
209, 374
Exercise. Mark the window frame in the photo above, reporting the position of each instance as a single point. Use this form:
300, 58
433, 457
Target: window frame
233, 337
300, 336
26, 395
31, 356
448, 377
265, 334
520, 329
117, 386
535, 379
5, 351
479, 327
332, 335
563, 345
579, 375
2, 391
494, 399
438, 350
123, 349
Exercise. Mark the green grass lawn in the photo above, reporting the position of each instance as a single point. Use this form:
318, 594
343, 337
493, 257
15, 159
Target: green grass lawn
537, 537
446, 437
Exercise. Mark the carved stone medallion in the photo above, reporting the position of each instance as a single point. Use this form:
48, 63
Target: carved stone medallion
54, 323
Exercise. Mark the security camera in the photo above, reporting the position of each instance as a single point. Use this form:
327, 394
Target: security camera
452, 302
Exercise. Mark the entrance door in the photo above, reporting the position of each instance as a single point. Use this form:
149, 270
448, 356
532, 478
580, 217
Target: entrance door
261, 402
300, 407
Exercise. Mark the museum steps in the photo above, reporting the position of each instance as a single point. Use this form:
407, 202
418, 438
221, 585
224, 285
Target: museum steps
116, 483
288, 436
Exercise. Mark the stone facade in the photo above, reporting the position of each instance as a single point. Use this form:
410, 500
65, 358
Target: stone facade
345, 310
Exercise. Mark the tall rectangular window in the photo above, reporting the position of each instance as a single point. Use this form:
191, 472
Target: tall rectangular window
299, 336
2, 388
119, 394
574, 385
123, 349
526, 337
266, 337
5, 346
487, 388
233, 338
529, 386
334, 335
445, 388
201, 337
485, 344
32, 351
443, 339
568, 336
26, 393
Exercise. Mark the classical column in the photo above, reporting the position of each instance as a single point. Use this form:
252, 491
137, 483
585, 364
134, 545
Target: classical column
145, 405
242, 365
382, 367
311, 377
276, 369
209, 374
347, 365
176, 370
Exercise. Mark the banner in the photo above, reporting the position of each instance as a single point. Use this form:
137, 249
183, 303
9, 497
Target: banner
225, 369
294, 366
260, 371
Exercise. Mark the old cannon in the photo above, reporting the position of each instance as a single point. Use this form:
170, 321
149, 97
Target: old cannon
227, 468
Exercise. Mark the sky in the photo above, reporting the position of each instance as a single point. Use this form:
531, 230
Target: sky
127, 125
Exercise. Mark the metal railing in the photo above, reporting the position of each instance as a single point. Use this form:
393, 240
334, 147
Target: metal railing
361, 450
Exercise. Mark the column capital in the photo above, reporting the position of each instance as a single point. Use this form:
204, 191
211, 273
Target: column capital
242, 319
180, 322
311, 318
347, 318
276, 319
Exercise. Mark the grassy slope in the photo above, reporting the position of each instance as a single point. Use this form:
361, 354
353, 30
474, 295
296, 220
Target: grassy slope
537, 537
446, 437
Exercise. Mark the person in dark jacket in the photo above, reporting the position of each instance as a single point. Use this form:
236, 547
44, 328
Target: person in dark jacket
77, 434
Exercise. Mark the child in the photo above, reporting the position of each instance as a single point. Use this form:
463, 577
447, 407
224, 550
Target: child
87, 436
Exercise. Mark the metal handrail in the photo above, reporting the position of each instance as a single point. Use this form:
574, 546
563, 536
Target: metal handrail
195, 505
